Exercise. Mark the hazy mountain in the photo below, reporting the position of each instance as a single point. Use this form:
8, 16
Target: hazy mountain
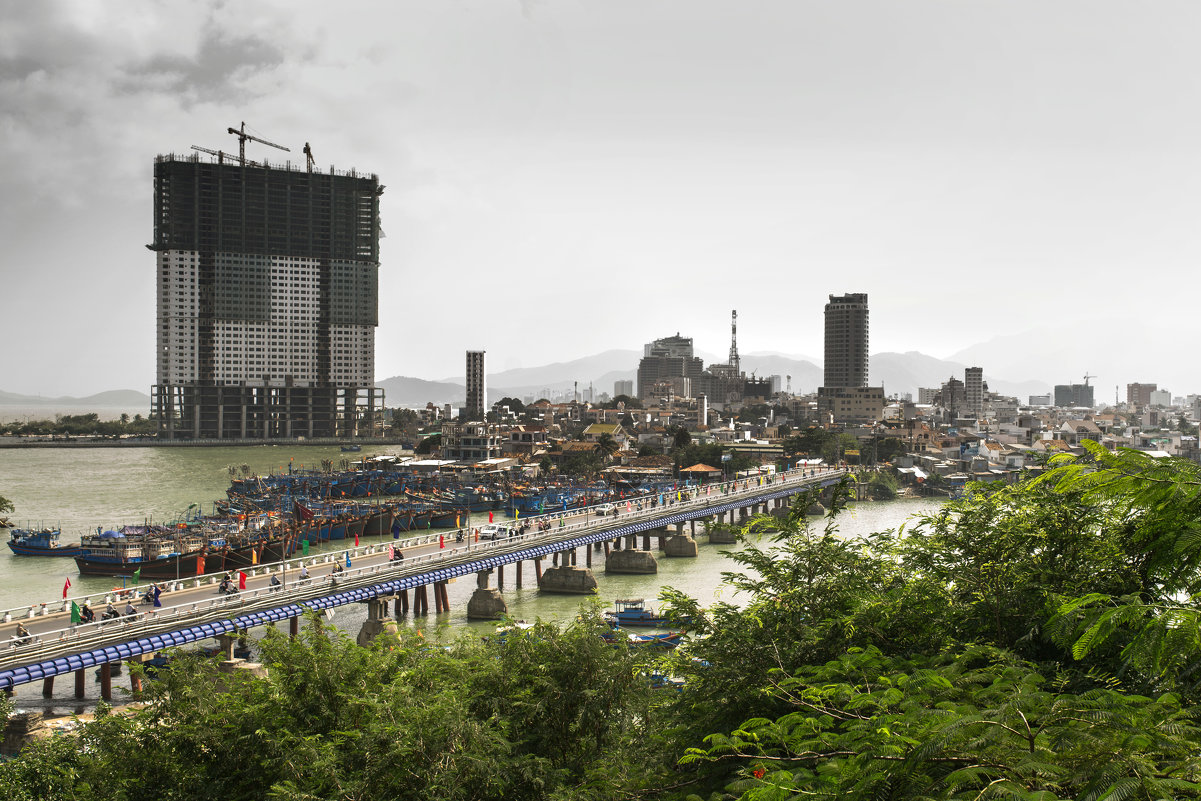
406, 391
113, 397
562, 374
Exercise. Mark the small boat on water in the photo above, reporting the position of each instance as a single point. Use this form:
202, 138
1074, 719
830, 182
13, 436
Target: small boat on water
627, 638
351, 448
40, 542
635, 613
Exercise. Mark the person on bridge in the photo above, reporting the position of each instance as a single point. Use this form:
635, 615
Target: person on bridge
275, 584
110, 613
130, 609
86, 615
23, 637
304, 572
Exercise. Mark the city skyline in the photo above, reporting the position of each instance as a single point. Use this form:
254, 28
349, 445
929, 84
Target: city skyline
981, 171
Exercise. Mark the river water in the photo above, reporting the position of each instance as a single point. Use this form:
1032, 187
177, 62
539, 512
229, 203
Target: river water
79, 489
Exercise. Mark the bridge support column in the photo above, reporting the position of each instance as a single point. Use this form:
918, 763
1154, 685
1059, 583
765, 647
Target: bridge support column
445, 598
293, 627
719, 532
568, 579
572, 556
438, 598
681, 544
48, 687
588, 557
500, 577
106, 681
538, 570
421, 604
227, 642
377, 621
135, 682
402, 604
486, 603
631, 561
81, 678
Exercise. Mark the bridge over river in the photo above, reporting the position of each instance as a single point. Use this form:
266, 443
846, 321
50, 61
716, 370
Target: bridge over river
193, 610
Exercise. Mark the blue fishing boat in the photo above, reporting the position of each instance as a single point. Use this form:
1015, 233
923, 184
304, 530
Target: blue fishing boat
624, 638
634, 613
40, 542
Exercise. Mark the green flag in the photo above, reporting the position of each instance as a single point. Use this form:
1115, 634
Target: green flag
137, 575
75, 616
304, 547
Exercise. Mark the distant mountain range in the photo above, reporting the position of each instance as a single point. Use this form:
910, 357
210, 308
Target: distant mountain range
897, 372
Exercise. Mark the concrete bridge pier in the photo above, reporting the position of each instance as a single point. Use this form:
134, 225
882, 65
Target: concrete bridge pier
421, 604
378, 620
631, 561
566, 578
680, 544
500, 577
106, 681
293, 627
719, 532
486, 603
401, 607
81, 679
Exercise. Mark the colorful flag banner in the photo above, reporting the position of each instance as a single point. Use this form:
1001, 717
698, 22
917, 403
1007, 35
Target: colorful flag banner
66, 587
348, 558
75, 615
304, 547
137, 575
241, 580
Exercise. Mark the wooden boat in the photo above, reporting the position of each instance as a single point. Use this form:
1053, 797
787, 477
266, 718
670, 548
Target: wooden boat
40, 542
627, 638
633, 612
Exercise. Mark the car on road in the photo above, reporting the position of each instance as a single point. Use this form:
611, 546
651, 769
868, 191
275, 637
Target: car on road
495, 531
604, 509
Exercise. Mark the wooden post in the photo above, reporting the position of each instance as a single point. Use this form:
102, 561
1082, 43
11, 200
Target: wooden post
106, 681
48, 687
81, 678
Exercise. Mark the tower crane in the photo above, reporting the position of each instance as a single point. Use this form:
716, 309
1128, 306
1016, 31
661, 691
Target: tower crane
1087, 377
243, 137
221, 156
308, 155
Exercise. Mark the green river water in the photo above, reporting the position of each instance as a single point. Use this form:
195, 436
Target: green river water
79, 489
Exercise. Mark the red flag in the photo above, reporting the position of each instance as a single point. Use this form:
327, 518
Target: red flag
356, 539
241, 580
489, 517
441, 544
66, 586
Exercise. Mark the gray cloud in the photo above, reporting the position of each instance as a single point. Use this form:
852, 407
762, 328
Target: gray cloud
211, 74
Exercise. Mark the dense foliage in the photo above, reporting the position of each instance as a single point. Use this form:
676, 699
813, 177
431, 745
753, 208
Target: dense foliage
1036, 641
80, 425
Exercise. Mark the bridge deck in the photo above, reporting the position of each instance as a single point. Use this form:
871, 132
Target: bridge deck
193, 610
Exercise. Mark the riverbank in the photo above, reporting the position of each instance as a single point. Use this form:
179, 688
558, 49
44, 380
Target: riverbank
54, 441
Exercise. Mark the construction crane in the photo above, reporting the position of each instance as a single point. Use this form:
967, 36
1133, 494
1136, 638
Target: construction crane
1087, 377
308, 155
221, 156
243, 137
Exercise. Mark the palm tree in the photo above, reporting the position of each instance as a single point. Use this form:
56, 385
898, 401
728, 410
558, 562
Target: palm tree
607, 445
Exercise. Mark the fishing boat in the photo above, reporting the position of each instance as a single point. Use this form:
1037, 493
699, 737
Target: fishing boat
40, 542
628, 638
634, 612
151, 552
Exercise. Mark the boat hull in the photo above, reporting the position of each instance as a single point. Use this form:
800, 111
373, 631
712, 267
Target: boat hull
183, 566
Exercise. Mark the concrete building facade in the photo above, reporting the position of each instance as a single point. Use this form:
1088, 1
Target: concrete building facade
476, 407
267, 301
846, 342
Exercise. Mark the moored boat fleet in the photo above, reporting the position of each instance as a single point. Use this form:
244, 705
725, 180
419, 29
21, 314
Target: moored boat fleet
268, 518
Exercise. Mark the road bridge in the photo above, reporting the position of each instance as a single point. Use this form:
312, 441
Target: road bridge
193, 611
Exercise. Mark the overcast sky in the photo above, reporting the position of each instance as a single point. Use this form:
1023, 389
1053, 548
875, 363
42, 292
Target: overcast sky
565, 177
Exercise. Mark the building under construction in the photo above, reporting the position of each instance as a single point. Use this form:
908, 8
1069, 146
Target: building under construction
267, 300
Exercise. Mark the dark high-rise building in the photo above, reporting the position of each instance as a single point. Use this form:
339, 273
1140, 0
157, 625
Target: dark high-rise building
1073, 395
846, 358
267, 284
667, 358
477, 392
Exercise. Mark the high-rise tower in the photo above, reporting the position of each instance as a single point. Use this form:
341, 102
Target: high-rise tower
267, 284
477, 393
846, 359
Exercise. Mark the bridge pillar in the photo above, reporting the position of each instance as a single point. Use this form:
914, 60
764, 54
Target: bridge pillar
81, 678
421, 604
106, 681
438, 598
572, 555
567, 579
517, 569
445, 596
402, 604
135, 682
48, 687
377, 621
681, 545
631, 561
293, 627
719, 532
588, 557
486, 603
226, 643
538, 570
500, 577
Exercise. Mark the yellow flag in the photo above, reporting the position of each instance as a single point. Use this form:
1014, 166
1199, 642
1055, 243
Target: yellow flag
254, 556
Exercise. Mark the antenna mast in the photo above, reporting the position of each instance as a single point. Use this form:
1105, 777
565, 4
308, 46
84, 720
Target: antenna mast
734, 369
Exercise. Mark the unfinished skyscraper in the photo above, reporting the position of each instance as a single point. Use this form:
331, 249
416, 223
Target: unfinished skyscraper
267, 283
477, 392
846, 341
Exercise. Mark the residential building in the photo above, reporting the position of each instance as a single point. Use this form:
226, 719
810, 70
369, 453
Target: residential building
473, 440
1139, 395
267, 301
667, 358
1073, 395
973, 391
623, 387
846, 342
477, 392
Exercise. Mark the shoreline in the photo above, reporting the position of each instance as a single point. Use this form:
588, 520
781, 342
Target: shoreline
144, 442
